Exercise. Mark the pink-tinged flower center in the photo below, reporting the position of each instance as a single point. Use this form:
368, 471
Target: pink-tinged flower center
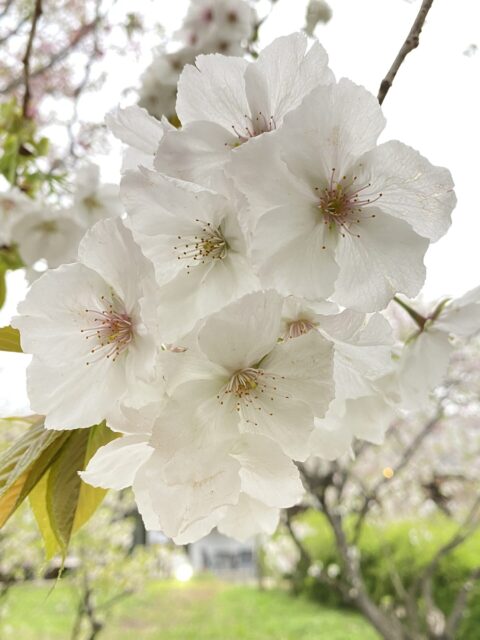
208, 245
298, 328
254, 127
111, 331
342, 203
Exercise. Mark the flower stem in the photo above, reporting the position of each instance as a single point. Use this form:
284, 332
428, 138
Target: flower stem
417, 317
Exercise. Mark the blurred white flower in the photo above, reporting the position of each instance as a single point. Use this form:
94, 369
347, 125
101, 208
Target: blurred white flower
93, 201
47, 234
220, 21
317, 11
13, 205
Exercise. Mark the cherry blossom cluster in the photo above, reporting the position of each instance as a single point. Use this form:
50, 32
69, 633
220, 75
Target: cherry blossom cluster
224, 26
48, 235
232, 322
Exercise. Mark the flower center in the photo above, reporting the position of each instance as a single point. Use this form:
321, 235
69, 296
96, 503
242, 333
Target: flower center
342, 203
254, 127
298, 328
47, 226
243, 382
207, 246
92, 203
254, 392
111, 330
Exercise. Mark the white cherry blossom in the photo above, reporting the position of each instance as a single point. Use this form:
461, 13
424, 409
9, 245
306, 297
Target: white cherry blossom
195, 242
335, 214
84, 325
221, 21
239, 379
224, 102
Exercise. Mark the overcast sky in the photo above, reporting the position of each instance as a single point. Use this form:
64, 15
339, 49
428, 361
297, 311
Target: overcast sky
434, 106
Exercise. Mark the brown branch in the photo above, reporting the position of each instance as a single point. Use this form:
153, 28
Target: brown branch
408, 454
460, 603
424, 583
37, 12
409, 45
6, 8
63, 53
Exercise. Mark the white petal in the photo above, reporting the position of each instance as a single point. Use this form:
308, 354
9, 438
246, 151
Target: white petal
109, 249
135, 127
277, 186
422, 367
267, 474
248, 518
115, 465
202, 291
196, 153
215, 484
285, 420
461, 317
214, 91
74, 395
333, 126
284, 74
412, 189
330, 441
300, 263
386, 259
242, 333
303, 369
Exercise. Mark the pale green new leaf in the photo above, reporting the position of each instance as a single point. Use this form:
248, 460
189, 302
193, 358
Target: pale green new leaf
24, 464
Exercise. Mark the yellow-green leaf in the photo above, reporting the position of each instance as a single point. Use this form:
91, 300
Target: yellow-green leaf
38, 502
10, 339
69, 501
24, 464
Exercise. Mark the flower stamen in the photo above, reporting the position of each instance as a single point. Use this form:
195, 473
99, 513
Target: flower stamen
342, 203
112, 331
209, 245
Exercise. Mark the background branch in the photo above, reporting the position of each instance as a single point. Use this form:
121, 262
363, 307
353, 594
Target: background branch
37, 12
409, 45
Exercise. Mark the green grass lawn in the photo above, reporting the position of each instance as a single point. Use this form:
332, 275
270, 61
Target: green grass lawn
204, 610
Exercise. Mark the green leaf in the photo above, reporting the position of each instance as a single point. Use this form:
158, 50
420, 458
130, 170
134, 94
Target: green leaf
23, 465
3, 286
63, 503
10, 339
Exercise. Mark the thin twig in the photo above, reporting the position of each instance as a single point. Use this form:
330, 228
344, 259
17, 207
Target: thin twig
63, 53
37, 12
460, 603
409, 45
408, 454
